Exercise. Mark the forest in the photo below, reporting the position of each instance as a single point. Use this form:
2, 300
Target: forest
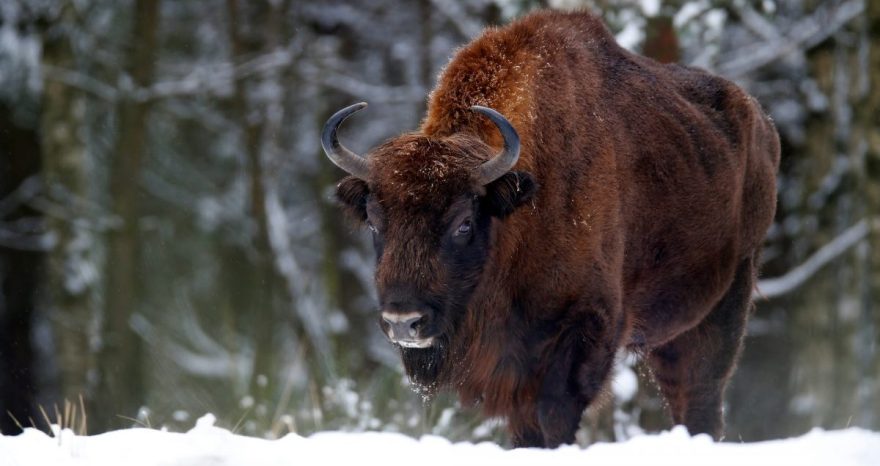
170, 245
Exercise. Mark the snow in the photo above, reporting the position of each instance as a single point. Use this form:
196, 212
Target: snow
625, 383
650, 7
631, 35
207, 444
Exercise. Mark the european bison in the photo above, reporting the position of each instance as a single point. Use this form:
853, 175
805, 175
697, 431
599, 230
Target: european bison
617, 203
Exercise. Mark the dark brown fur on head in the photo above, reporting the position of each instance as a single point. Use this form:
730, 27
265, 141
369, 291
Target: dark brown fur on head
414, 175
420, 190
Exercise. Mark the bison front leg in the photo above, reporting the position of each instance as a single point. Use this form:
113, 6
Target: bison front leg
523, 431
580, 365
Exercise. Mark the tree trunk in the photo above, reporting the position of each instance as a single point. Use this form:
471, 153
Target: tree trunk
121, 389
253, 29
867, 136
71, 282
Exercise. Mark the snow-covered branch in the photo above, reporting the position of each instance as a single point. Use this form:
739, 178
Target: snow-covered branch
361, 89
219, 78
805, 33
194, 350
60, 203
12, 236
26, 233
758, 24
81, 81
773, 287
215, 78
25, 191
289, 267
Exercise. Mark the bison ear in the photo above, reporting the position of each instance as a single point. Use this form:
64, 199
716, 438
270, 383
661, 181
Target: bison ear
507, 193
352, 193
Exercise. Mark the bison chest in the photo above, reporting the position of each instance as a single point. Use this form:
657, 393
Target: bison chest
499, 374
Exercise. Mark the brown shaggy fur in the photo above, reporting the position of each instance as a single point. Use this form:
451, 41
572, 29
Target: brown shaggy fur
656, 185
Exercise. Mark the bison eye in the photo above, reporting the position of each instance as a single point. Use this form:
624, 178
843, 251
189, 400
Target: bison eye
464, 228
372, 227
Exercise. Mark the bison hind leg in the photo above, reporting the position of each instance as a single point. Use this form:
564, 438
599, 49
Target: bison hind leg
692, 370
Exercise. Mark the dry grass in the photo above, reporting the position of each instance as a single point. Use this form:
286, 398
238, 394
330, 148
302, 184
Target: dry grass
70, 416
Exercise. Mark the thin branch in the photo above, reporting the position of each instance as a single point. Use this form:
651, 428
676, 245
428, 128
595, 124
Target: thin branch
217, 78
269, 62
773, 287
372, 92
208, 359
193, 109
840, 168
61, 203
213, 79
456, 14
35, 243
758, 24
24, 192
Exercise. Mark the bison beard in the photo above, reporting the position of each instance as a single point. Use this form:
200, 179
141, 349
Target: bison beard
562, 199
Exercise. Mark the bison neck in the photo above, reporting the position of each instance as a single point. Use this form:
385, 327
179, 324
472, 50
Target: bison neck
485, 364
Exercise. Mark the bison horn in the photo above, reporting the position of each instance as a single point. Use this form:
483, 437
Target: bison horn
343, 158
497, 166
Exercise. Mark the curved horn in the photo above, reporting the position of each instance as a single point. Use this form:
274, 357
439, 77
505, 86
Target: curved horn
497, 166
336, 152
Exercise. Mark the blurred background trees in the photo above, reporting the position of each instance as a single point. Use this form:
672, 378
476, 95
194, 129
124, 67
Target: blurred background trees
169, 244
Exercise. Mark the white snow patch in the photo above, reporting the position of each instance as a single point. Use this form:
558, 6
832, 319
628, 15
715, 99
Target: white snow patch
633, 32
625, 383
715, 20
688, 12
209, 445
246, 402
650, 7
205, 421
630, 36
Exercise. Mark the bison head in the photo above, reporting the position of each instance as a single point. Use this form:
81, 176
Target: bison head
431, 204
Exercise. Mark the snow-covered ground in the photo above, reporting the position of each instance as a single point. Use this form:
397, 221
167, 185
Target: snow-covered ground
209, 445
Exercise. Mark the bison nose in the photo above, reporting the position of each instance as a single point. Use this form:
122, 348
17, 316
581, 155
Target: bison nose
403, 326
